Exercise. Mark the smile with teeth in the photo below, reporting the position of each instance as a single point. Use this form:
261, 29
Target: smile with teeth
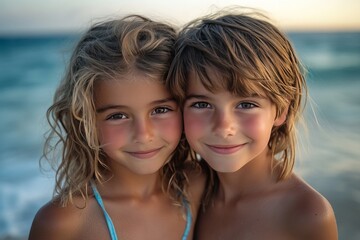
145, 154
225, 149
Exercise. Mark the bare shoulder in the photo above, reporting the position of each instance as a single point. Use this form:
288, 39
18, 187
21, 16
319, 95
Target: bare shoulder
53, 222
310, 215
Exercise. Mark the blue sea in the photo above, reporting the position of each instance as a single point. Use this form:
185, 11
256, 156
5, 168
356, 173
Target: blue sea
329, 159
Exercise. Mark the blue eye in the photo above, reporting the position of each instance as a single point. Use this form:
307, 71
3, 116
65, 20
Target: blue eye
161, 110
201, 105
246, 105
116, 116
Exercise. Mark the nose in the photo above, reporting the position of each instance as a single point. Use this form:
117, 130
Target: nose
143, 131
225, 124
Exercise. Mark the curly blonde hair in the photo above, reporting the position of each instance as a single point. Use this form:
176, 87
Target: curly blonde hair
107, 50
250, 55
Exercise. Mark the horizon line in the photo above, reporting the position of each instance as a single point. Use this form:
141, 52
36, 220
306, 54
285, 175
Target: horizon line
81, 31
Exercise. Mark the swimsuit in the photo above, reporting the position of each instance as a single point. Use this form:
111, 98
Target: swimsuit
111, 227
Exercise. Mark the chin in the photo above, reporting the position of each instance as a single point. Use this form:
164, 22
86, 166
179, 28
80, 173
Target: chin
147, 170
144, 172
225, 168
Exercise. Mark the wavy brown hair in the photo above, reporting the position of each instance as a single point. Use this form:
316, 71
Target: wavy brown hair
108, 50
250, 55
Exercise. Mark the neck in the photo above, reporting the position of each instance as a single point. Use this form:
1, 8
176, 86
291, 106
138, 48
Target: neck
253, 178
124, 183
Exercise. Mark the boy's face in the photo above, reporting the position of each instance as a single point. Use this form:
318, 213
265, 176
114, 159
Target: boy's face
139, 124
228, 131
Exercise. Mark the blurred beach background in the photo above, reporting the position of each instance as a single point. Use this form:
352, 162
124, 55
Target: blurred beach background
37, 37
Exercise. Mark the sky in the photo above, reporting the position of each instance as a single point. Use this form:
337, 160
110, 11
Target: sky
54, 16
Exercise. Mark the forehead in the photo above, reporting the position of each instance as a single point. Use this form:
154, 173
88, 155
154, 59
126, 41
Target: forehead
215, 81
131, 89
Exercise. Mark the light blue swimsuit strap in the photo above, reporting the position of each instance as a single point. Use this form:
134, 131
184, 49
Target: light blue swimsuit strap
111, 227
188, 220
109, 223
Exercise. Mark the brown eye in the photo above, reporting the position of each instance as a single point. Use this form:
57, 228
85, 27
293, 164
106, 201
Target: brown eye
161, 110
116, 116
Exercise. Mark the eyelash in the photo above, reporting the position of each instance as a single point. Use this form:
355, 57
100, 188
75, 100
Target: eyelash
242, 105
247, 105
116, 116
163, 110
120, 116
197, 105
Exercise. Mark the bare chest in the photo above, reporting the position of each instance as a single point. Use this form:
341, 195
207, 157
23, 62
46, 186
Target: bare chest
250, 221
136, 221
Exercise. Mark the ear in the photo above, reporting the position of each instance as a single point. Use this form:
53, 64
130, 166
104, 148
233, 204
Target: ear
282, 118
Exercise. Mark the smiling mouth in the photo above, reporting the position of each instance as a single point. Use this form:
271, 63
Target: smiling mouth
225, 149
145, 154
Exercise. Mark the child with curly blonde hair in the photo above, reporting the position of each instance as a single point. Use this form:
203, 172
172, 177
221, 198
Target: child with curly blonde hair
121, 172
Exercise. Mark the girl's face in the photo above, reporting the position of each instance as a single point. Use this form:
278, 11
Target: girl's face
228, 131
139, 124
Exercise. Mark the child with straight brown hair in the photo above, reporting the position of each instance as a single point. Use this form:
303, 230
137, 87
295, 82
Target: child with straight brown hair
243, 91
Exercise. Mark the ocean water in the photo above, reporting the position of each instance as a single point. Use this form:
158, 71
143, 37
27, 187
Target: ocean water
329, 158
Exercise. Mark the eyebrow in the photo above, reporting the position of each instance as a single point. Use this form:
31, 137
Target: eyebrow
114, 106
197, 96
109, 107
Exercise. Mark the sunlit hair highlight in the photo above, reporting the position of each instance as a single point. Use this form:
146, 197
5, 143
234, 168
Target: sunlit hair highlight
245, 54
107, 51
